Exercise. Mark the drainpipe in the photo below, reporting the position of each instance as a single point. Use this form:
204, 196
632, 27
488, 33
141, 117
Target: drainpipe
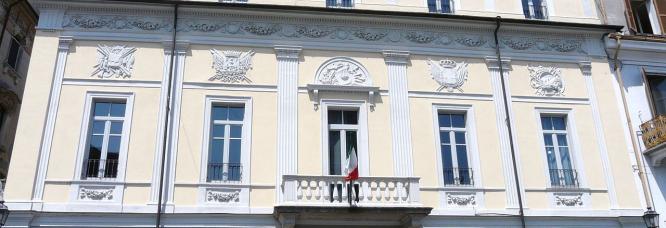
4, 23
634, 141
165, 138
521, 211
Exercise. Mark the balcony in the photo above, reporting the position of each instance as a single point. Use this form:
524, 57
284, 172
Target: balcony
389, 201
654, 136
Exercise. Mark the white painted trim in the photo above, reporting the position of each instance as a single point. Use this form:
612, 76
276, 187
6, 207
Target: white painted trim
173, 128
401, 132
245, 152
161, 125
82, 148
551, 100
363, 153
230, 87
111, 83
51, 115
472, 154
452, 96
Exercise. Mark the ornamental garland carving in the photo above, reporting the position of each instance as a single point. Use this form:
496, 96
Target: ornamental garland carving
448, 74
222, 196
461, 199
113, 61
232, 26
547, 81
231, 66
343, 71
569, 200
96, 193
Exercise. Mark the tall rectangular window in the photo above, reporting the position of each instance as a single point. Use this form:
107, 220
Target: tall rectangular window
453, 144
657, 85
342, 138
440, 6
226, 139
14, 56
534, 9
558, 154
104, 140
339, 3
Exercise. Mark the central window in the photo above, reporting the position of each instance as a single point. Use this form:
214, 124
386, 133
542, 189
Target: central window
342, 138
226, 140
339, 3
535, 9
560, 165
440, 6
453, 143
105, 139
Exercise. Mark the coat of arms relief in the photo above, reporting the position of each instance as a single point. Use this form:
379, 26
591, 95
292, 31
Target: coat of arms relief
546, 80
449, 74
115, 61
231, 66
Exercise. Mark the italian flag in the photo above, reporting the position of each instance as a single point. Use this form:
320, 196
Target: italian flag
352, 165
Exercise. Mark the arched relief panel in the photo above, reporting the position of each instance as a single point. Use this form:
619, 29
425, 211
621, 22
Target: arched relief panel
230, 65
343, 71
111, 60
314, 59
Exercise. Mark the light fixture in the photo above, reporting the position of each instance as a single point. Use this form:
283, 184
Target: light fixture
651, 218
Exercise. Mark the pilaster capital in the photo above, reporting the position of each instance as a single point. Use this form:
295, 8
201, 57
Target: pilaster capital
65, 42
287, 52
181, 46
493, 64
396, 57
585, 67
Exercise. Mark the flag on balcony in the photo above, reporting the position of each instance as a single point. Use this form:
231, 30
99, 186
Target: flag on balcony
352, 165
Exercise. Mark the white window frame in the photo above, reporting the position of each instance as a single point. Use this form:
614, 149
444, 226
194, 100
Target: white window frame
572, 138
455, 6
476, 189
241, 186
339, 4
116, 184
361, 132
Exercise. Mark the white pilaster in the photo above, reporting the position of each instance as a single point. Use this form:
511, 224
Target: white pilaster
501, 118
287, 91
171, 128
401, 140
52, 111
586, 68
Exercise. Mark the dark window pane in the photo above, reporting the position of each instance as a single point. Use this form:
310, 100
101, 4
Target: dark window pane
116, 127
236, 113
220, 113
14, 54
218, 130
538, 9
552, 159
236, 131
460, 138
347, 3
526, 8
548, 139
102, 108
432, 6
658, 92
351, 142
444, 120
98, 127
216, 151
117, 109
559, 123
444, 137
334, 163
350, 117
461, 152
562, 140
565, 158
334, 117
114, 144
546, 123
95, 147
234, 151
458, 120
446, 6
447, 157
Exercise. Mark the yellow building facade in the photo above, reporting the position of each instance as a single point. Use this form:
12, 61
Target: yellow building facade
254, 110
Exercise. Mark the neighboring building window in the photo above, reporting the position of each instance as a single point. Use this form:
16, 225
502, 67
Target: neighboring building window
641, 16
440, 6
453, 143
14, 56
342, 138
104, 141
225, 145
534, 9
558, 154
657, 85
339, 3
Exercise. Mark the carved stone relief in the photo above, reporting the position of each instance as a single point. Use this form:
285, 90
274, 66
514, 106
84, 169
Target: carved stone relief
343, 71
231, 66
462, 199
547, 81
568, 199
115, 61
222, 196
448, 74
96, 193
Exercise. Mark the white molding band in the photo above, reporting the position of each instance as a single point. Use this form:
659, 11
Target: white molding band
502, 125
586, 68
401, 142
287, 98
52, 111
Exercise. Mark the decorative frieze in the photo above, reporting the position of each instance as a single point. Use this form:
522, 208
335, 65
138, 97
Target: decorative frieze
222, 196
115, 61
113, 22
547, 81
461, 199
449, 74
568, 199
96, 193
231, 66
343, 71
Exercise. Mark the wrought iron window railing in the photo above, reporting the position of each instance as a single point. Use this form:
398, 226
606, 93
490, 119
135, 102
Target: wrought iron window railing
110, 168
220, 172
458, 177
564, 178
654, 132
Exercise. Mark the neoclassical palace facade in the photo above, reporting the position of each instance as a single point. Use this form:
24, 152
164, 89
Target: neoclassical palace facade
242, 115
